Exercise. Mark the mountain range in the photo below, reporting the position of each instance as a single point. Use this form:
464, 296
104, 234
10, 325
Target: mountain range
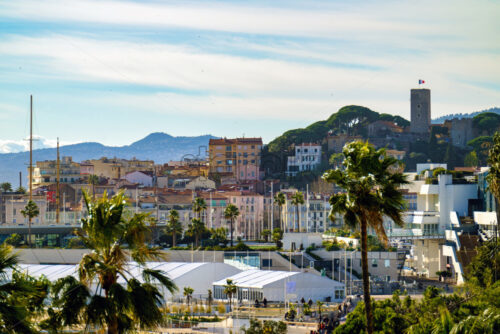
440, 120
160, 147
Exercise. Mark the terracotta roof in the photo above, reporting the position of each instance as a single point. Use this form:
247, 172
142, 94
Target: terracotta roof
226, 141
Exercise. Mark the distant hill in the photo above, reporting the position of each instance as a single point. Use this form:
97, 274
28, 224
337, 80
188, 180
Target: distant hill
440, 120
158, 146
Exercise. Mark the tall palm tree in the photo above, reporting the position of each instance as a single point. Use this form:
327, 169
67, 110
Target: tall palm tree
188, 293
174, 226
93, 181
14, 314
112, 239
372, 191
199, 206
231, 212
31, 211
230, 290
297, 199
196, 229
280, 200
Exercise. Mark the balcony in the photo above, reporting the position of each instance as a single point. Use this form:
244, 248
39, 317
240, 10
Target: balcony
422, 217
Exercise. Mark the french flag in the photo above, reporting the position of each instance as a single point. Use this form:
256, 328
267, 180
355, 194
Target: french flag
420, 81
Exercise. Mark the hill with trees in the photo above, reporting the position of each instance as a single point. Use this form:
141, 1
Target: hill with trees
352, 120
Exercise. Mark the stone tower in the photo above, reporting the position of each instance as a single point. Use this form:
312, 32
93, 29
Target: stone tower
420, 111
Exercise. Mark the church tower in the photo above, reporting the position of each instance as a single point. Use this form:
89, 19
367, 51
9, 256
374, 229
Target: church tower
420, 111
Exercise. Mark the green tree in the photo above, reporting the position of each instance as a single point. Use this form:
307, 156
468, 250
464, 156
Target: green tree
297, 199
230, 290
174, 226
486, 123
266, 234
210, 298
481, 146
231, 212
372, 191
265, 327
14, 293
21, 190
471, 159
113, 239
336, 159
199, 206
219, 235
280, 200
31, 211
196, 229
320, 304
5, 187
493, 177
188, 293
277, 236
14, 240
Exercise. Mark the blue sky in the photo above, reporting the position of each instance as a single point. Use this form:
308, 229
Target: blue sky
115, 71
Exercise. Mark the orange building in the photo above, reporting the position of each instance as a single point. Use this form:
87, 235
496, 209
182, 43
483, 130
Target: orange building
238, 158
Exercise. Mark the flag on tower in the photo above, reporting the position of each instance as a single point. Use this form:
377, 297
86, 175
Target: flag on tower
420, 81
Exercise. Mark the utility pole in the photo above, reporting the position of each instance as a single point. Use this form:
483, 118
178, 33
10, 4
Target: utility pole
57, 183
20, 179
271, 226
307, 208
30, 167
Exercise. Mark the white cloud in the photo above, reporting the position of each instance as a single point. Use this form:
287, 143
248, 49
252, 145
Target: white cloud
15, 146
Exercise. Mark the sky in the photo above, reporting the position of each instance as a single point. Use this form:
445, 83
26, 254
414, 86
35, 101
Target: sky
115, 71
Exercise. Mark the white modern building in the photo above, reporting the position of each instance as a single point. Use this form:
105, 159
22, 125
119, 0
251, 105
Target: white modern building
280, 286
434, 226
307, 157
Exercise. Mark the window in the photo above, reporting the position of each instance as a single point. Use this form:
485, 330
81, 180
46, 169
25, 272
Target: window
228, 148
387, 263
252, 147
374, 263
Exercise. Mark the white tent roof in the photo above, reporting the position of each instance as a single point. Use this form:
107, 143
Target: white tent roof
257, 278
51, 271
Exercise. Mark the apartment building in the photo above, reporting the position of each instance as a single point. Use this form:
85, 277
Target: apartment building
313, 214
249, 223
307, 157
114, 168
45, 172
237, 158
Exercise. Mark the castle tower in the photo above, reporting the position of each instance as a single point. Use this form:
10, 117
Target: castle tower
420, 111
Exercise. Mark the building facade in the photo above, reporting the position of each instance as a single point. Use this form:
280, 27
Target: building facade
307, 157
238, 158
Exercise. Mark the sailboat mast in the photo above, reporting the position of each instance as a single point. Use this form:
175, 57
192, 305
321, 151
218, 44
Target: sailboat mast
57, 183
31, 148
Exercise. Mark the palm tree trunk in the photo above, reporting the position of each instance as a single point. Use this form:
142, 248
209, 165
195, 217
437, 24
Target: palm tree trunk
174, 239
113, 326
29, 231
366, 277
297, 215
231, 232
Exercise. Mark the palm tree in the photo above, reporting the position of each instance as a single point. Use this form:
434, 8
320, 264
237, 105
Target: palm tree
320, 304
297, 199
174, 226
199, 206
196, 229
280, 199
231, 212
31, 211
230, 290
210, 298
93, 181
21, 190
14, 315
372, 191
5, 187
188, 293
113, 239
